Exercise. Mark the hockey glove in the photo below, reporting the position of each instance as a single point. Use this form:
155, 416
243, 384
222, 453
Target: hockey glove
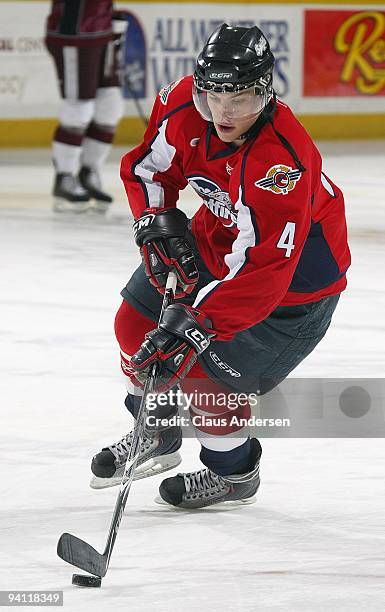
160, 234
182, 335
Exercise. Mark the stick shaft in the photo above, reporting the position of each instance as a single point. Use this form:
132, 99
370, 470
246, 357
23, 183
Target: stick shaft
129, 471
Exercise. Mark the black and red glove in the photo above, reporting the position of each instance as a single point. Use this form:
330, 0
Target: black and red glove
160, 234
182, 335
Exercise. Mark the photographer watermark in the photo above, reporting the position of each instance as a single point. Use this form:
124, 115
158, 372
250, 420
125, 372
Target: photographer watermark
225, 404
297, 407
31, 598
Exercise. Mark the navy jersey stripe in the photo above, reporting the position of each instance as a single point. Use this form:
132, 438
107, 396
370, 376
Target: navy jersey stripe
176, 110
317, 267
252, 212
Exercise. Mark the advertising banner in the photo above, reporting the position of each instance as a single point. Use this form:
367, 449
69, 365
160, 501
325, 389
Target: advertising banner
344, 53
173, 43
161, 45
330, 61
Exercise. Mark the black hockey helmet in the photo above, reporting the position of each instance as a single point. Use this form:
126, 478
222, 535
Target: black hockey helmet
234, 59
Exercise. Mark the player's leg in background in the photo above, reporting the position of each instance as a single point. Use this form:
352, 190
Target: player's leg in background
109, 108
159, 451
77, 71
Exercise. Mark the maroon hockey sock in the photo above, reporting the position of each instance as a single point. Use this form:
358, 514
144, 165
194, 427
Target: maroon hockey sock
69, 137
97, 132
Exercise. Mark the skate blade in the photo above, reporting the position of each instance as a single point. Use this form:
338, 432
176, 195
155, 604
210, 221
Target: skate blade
152, 467
99, 208
223, 504
63, 206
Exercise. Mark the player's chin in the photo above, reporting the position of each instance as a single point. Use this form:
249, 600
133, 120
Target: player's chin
227, 133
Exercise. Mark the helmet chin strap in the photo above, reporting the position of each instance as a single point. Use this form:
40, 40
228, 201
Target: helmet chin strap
262, 118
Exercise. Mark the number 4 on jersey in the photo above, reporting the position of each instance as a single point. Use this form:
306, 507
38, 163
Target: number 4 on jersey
286, 240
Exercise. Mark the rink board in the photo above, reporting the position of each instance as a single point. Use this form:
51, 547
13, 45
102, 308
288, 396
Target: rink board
330, 62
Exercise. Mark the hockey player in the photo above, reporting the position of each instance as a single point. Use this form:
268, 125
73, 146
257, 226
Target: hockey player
260, 266
84, 40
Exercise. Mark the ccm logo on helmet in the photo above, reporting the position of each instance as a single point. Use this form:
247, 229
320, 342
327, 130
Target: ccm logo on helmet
220, 75
142, 222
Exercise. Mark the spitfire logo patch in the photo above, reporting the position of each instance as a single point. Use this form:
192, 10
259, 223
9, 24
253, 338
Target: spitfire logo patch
165, 92
216, 200
279, 179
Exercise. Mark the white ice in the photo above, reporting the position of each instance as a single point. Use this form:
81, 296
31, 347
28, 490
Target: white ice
314, 541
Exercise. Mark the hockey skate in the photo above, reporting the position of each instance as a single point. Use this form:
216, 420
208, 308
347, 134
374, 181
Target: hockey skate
69, 195
90, 180
203, 488
158, 453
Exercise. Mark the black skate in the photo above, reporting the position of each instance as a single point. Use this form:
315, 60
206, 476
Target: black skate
69, 194
204, 488
158, 453
89, 179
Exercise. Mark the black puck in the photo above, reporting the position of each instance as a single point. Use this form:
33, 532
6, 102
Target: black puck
86, 581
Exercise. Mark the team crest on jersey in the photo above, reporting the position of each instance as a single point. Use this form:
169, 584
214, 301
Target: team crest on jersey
279, 179
216, 200
165, 92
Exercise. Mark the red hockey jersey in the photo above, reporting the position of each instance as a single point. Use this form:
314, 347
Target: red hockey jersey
271, 227
80, 22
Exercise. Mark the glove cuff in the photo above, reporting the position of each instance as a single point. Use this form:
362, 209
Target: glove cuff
189, 324
155, 223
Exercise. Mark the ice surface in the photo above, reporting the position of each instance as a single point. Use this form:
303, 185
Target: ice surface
314, 541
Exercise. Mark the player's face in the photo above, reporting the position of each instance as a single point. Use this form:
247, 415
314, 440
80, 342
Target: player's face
233, 113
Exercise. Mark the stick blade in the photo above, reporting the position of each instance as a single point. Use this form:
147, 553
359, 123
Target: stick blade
77, 552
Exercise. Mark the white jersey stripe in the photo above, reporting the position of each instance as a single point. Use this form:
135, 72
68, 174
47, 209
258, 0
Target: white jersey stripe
71, 73
236, 259
159, 159
327, 185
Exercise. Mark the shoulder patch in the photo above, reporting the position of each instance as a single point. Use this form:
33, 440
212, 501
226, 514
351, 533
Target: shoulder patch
165, 92
279, 179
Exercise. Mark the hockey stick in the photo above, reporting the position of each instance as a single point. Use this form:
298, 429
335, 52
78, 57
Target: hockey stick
76, 551
125, 72
135, 99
